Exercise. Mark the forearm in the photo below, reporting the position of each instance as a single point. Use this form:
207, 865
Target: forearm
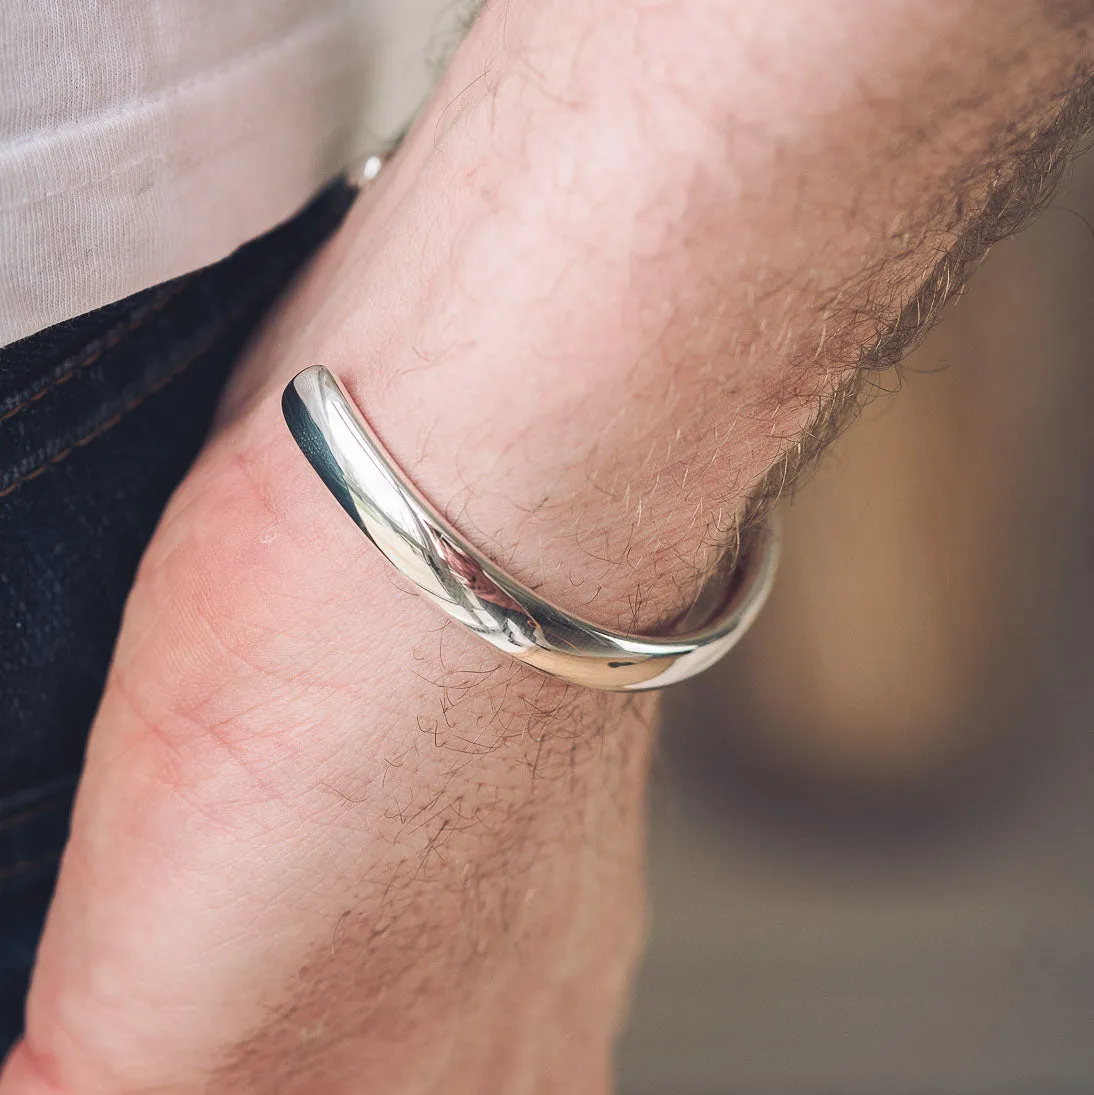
611, 280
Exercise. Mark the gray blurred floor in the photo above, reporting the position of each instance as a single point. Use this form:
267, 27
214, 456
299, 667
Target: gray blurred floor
777, 965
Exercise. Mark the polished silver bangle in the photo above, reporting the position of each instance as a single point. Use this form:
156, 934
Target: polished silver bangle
462, 582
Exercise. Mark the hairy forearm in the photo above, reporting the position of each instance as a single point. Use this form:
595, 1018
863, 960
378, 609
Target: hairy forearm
636, 254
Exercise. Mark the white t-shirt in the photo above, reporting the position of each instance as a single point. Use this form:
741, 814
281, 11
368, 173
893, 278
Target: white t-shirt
141, 139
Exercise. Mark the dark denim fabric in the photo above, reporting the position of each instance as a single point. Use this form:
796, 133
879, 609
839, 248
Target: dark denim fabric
99, 419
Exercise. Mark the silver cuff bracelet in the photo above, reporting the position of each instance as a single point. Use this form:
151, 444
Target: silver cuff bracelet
471, 589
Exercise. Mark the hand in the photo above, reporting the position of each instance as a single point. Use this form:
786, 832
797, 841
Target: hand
326, 842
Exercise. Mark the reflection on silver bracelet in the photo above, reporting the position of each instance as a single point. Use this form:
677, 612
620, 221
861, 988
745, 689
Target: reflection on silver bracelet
425, 548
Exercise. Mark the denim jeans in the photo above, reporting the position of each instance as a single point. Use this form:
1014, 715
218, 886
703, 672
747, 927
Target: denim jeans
100, 417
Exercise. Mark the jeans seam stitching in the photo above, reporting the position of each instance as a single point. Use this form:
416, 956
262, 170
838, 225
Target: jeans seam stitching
103, 427
92, 351
203, 345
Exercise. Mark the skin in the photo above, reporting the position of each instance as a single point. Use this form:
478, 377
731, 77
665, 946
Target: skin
620, 269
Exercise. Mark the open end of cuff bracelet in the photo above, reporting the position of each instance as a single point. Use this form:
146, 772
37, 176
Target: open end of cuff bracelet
414, 537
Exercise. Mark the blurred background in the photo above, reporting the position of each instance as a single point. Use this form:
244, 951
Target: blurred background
872, 855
